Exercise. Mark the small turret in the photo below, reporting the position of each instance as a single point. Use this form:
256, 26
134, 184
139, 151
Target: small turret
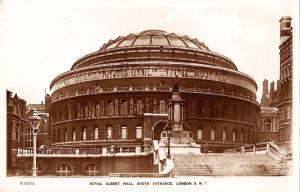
265, 95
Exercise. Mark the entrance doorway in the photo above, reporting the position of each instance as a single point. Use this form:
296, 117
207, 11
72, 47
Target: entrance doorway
157, 128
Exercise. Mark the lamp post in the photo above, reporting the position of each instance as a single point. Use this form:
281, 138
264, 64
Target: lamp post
35, 122
169, 131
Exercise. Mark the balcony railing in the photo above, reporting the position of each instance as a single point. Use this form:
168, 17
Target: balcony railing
87, 152
154, 88
218, 142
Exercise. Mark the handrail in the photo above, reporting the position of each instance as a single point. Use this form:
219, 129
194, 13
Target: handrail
168, 170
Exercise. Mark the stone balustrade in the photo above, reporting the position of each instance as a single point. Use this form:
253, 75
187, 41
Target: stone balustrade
87, 152
269, 148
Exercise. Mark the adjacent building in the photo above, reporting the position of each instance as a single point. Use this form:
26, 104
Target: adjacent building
16, 125
268, 116
285, 103
268, 125
277, 103
43, 135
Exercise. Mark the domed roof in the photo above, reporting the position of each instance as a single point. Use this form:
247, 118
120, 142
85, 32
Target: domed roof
154, 45
154, 38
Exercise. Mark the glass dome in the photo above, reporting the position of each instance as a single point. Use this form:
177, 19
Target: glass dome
154, 38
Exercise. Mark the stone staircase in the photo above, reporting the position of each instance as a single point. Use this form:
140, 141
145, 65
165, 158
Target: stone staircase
227, 165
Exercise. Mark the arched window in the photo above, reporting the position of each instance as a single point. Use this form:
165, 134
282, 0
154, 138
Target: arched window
200, 108
82, 107
139, 107
242, 136
224, 134
242, 114
139, 132
93, 109
74, 135
213, 109
110, 108
124, 134
78, 111
102, 108
97, 110
84, 134
246, 114
224, 110
58, 136
63, 170
70, 111
60, 114
212, 134
233, 136
249, 136
86, 111
96, 134
219, 109
74, 111
162, 106
91, 169
65, 135
54, 137
116, 112
109, 132
66, 112
200, 134
234, 112
124, 108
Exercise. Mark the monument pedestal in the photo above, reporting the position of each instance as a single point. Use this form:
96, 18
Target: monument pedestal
181, 140
180, 143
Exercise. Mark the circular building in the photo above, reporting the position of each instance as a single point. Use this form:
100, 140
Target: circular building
120, 94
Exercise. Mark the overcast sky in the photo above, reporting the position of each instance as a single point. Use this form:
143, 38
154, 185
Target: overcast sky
40, 40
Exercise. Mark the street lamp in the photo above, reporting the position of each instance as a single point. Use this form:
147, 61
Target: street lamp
35, 122
169, 132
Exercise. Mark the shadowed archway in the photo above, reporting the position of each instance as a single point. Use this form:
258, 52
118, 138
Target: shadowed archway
157, 128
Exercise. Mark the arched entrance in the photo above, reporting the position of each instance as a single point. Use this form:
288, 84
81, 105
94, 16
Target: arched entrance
157, 128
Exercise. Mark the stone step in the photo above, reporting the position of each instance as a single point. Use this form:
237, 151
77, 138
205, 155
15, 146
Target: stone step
225, 164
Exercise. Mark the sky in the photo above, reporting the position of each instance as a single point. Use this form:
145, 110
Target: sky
42, 39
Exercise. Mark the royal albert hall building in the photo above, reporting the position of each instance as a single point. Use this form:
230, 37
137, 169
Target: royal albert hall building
119, 95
